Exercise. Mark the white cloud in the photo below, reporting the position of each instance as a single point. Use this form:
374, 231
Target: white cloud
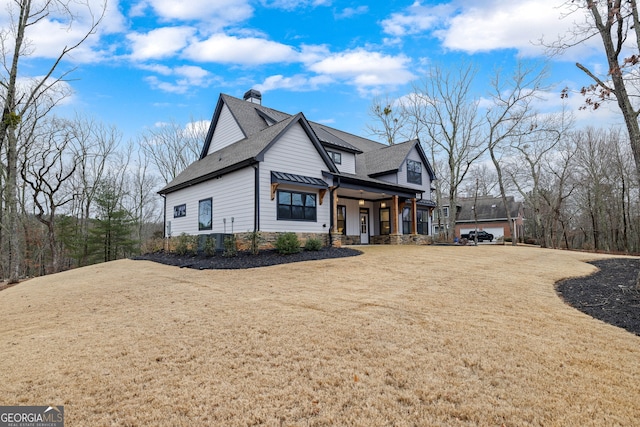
157, 68
351, 12
416, 19
366, 69
486, 25
159, 43
186, 77
502, 25
297, 83
222, 48
293, 4
310, 54
215, 14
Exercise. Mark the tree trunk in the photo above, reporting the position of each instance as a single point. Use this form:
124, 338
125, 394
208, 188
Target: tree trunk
15, 255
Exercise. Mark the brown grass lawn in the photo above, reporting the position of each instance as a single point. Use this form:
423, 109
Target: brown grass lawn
399, 336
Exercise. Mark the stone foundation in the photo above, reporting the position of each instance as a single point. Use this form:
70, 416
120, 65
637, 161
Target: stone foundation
267, 240
402, 239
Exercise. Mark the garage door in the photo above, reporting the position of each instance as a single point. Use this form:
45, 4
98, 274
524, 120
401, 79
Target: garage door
496, 231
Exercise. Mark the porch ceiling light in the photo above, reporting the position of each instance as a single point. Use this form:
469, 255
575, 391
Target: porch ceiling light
361, 202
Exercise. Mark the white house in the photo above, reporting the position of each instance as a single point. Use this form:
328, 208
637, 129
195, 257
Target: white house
268, 171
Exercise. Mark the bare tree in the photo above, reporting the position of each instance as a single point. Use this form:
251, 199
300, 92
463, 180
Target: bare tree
512, 116
389, 117
143, 198
97, 147
533, 156
172, 147
47, 171
24, 15
481, 177
616, 23
451, 123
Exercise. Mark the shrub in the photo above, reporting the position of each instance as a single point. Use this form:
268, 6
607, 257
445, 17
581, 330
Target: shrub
153, 245
209, 246
313, 244
185, 244
230, 248
287, 243
255, 238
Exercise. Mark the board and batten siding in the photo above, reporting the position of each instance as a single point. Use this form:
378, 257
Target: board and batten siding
400, 177
402, 173
227, 131
232, 196
353, 216
292, 153
348, 164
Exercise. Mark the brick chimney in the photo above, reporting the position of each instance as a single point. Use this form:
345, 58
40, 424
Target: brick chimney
253, 96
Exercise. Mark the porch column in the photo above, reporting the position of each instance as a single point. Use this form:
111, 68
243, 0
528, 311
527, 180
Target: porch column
394, 215
334, 212
414, 217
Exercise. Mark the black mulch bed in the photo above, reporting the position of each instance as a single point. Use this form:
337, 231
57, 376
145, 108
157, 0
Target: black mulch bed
245, 259
609, 294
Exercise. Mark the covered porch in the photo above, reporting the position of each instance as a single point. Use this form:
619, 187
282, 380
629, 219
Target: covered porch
377, 212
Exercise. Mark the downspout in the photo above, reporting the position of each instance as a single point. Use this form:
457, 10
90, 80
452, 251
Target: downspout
331, 218
164, 215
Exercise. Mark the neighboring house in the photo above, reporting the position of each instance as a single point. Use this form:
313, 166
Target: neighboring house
489, 213
272, 172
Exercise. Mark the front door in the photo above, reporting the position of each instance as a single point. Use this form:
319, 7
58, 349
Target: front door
364, 226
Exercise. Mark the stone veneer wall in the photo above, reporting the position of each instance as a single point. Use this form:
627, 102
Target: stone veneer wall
268, 239
402, 239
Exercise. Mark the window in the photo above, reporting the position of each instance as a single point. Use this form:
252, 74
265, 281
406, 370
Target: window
423, 221
414, 172
179, 211
336, 157
296, 206
445, 211
406, 221
341, 221
385, 223
205, 214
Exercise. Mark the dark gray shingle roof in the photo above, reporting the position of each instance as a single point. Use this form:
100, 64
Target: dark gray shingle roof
256, 122
487, 208
239, 153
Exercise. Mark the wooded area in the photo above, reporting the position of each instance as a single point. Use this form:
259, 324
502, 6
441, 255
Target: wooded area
74, 193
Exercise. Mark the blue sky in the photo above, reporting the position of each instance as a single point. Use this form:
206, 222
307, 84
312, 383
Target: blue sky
154, 61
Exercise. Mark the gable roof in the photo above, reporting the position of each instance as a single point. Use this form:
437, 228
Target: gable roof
259, 124
389, 159
487, 208
243, 153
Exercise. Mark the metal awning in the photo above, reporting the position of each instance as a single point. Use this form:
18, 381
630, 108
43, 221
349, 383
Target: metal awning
290, 178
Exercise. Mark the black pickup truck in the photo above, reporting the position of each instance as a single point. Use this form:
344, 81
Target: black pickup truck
482, 236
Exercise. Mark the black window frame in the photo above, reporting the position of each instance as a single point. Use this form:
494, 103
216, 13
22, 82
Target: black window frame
406, 220
385, 226
423, 221
201, 204
336, 157
180, 211
341, 209
294, 210
414, 176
